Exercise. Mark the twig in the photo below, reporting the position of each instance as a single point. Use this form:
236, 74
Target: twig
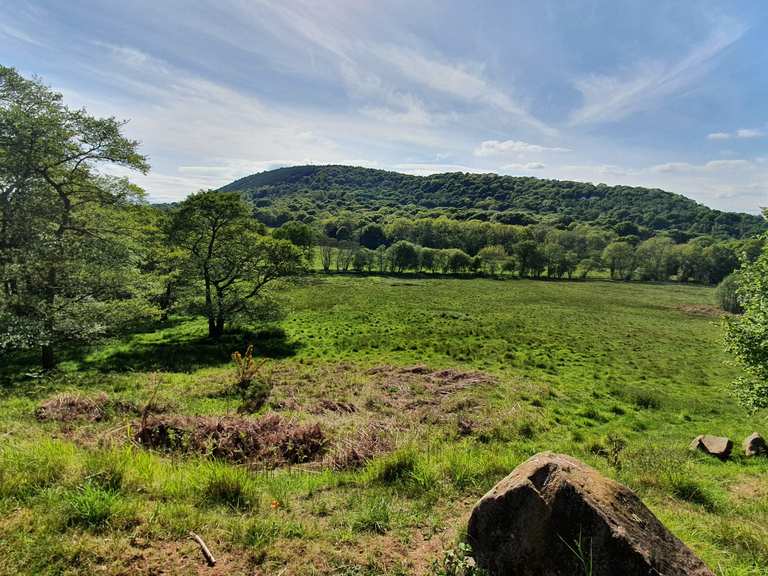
204, 549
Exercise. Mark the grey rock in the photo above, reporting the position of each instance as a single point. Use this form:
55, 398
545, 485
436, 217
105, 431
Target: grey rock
552, 509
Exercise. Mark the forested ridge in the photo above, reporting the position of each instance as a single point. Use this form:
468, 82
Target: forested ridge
309, 193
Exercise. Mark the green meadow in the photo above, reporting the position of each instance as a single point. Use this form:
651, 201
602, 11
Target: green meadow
428, 392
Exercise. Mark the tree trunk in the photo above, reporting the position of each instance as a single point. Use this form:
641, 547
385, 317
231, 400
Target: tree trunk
209, 308
219, 324
47, 357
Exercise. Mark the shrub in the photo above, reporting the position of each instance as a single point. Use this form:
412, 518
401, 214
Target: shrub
726, 294
253, 389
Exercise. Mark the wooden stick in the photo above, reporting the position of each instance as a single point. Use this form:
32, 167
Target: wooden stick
204, 549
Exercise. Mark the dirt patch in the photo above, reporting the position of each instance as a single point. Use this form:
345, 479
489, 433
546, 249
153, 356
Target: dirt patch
180, 557
270, 440
70, 407
702, 310
749, 488
442, 381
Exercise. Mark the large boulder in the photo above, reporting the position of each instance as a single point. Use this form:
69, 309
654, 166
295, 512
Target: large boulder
754, 445
556, 516
718, 446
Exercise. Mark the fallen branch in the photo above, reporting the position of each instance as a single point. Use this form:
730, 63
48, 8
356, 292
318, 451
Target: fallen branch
204, 549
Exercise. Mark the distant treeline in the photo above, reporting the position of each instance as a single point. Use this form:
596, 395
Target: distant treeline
445, 246
311, 194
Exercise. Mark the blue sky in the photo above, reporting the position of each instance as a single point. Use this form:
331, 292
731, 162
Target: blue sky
662, 94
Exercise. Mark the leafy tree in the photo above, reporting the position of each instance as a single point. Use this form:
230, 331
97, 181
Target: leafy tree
380, 257
363, 259
747, 336
619, 257
229, 256
458, 261
530, 258
372, 236
299, 234
403, 255
653, 256
327, 246
345, 254
587, 265
429, 259
68, 252
721, 260
493, 258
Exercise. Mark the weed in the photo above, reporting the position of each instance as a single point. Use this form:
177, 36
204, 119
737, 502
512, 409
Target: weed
457, 562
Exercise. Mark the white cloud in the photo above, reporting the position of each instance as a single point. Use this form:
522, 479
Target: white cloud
426, 169
497, 147
711, 166
741, 134
526, 166
608, 98
749, 133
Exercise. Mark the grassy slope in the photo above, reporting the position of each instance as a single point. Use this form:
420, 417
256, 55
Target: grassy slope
582, 368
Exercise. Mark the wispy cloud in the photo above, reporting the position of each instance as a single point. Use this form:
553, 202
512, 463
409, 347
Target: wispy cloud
741, 134
17, 34
711, 166
426, 169
640, 86
364, 63
502, 147
526, 166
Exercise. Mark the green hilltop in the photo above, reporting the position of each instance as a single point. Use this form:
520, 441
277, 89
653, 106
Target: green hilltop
308, 193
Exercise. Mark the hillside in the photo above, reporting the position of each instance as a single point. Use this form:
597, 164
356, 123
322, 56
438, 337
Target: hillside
310, 192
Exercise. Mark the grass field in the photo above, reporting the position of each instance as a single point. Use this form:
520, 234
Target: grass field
445, 384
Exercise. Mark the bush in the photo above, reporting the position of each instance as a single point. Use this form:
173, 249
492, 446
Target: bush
726, 294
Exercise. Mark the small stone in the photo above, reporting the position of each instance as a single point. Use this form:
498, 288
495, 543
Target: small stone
718, 446
755, 445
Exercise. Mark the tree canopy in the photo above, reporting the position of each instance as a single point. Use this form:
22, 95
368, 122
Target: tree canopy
67, 254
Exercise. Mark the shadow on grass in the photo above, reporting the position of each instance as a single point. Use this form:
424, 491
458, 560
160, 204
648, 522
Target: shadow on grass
194, 353
185, 352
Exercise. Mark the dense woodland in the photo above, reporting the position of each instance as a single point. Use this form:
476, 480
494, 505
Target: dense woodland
312, 193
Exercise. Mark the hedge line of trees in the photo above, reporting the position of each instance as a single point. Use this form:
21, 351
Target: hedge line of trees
441, 245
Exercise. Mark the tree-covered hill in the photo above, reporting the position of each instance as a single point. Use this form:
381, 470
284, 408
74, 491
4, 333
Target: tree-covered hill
308, 193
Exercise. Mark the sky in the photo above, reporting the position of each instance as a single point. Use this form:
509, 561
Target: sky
667, 94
